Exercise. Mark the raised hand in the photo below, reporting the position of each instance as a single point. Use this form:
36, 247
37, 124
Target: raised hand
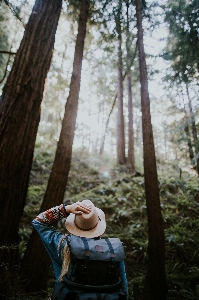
78, 208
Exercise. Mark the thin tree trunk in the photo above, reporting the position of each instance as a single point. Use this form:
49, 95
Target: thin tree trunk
131, 156
112, 107
194, 131
189, 143
121, 159
36, 256
140, 133
187, 132
106, 126
100, 109
193, 123
155, 282
20, 115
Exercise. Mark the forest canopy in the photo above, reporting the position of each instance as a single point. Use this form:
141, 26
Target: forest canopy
99, 86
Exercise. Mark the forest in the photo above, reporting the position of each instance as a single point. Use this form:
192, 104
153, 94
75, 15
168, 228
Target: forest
99, 100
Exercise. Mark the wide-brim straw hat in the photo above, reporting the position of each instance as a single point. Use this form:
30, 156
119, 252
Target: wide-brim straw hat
88, 225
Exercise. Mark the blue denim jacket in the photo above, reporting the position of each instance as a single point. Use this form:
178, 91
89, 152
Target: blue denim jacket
51, 237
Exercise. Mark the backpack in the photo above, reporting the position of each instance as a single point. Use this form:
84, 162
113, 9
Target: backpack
93, 273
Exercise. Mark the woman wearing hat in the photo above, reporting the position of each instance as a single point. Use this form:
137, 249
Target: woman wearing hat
83, 220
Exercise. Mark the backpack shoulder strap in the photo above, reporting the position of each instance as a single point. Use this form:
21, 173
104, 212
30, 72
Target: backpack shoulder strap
112, 252
86, 247
86, 255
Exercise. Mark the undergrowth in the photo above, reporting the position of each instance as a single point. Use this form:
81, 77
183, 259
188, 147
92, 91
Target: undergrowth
121, 196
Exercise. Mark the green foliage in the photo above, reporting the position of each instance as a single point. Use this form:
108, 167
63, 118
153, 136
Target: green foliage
182, 17
123, 201
121, 196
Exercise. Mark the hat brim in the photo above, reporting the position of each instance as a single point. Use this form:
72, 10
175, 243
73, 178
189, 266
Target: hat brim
97, 231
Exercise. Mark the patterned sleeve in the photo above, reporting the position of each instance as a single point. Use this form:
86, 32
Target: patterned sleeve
53, 214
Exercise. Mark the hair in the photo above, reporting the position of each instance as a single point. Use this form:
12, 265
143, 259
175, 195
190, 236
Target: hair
65, 255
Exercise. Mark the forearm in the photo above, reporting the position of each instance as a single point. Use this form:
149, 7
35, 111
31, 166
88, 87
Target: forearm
59, 212
49, 235
53, 214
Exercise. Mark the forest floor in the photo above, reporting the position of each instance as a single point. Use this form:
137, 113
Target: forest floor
120, 195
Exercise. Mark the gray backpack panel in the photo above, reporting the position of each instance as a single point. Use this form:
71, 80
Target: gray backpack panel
98, 248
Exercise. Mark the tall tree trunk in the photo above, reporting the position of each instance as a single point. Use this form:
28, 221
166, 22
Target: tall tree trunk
187, 132
112, 107
155, 282
120, 115
106, 127
36, 256
193, 123
131, 156
194, 131
189, 143
121, 159
20, 115
100, 109
140, 133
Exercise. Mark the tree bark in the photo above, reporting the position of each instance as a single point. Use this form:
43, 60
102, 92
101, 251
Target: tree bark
187, 132
188, 137
120, 115
20, 115
155, 282
131, 156
121, 159
194, 131
36, 256
189, 143
193, 123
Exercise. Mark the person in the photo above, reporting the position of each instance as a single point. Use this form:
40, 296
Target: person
83, 221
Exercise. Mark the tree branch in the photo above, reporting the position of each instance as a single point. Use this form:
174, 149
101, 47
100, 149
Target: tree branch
7, 52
